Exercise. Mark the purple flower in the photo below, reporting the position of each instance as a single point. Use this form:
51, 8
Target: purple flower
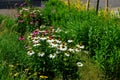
16, 4
21, 38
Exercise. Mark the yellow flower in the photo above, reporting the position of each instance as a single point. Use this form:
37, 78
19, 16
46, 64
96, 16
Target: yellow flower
26, 70
11, 66
35, 73
42, 76
16, 74
78, 4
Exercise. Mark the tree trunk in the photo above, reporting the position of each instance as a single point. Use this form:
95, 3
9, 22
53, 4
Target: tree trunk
97, 6
88, 5
106, 5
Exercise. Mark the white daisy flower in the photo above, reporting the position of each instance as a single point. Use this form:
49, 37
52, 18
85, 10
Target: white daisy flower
79, 64
30, 53
35, 38
29, 37
52, 56
26, 9
41, 54
71, 50
66, 54
80, 46
63, 47
36, 44
53, 30
58, 30
57, 52
58, 41
78, 50
43, 31
53, 45
86, 52
43, 38
50, 40
70, 41
42, 26
35, 41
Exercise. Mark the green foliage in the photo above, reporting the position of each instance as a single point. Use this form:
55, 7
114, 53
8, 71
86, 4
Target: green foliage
1, 18
104, 44
100, 33
47, 48
55, 11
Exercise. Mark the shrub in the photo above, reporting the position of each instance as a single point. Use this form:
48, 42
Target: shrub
29, 19
50, 56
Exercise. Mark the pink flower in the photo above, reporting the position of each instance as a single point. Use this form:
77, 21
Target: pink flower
20, 21
51, 27
17, 15
36, 32
21, 38
31, 15
46, 32
31, 22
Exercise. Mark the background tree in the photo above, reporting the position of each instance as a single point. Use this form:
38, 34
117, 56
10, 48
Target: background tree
97, 6
88, 5
106, 5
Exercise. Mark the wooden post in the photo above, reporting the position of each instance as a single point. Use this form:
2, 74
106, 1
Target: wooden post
97, 6
106, 5
88, 5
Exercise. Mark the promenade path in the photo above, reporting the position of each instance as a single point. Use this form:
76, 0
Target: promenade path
113, 4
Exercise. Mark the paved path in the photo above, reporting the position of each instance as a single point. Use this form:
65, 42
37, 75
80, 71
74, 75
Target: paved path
8, 12
112, 3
